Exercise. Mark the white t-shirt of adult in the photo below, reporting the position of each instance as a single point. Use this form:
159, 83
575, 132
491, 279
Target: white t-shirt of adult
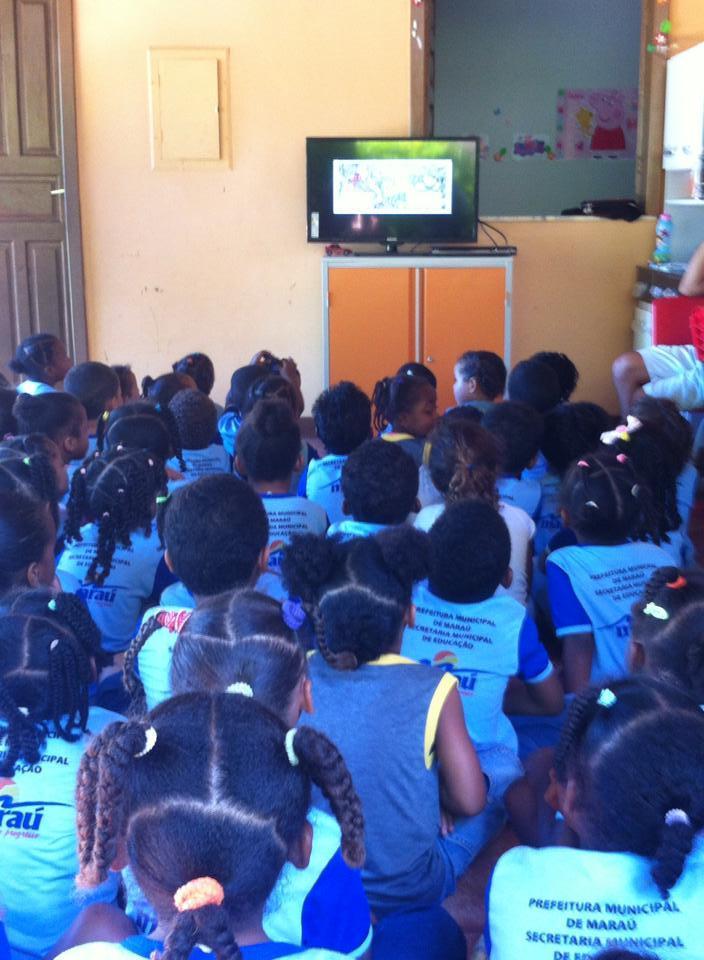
117, 605
592, 589
521, 531
482, 645
563, 903
201, 463
324, 484
38, 846
288, 515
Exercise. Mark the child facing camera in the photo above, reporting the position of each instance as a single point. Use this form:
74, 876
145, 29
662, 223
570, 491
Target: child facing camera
629, 782
518, 430
215, 533
480, 380
268, 453
379, 490
342, 416
592, 585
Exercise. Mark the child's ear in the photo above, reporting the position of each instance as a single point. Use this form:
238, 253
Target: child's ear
300, 850
33, 575
507, 578
471, 384
307, 704
409, 617
121, 859
346, 509
565, 517
553, 794
239, 466
167, 560
263, 560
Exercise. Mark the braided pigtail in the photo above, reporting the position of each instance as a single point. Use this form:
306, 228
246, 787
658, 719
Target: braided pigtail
69, 672
381, 401
339, 659
101, 797
581, 713
77, 508
323, 763
675, 846
24, 735
660, 578
171, 425
472, 479
101, 565
74, 614
42, 477
130, 677
208, 925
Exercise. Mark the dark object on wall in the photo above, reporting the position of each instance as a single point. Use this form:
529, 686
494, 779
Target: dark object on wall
610, 209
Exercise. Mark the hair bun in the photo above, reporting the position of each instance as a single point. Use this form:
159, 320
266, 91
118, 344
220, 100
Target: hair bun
272, 417
406, 551
308, 563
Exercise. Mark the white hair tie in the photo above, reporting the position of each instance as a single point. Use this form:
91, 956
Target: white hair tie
677, 816
607, 698
657, 612
149, 743
240, 687
290, 748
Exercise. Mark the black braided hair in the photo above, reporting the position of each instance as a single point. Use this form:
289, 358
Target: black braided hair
668, 591
34, 355
47, 661
635, 752
25, 464
118, 493
200, 367
607, 501
181, 789
395, 397
132, 680
162, 389
135, 435
358, 592
196, 418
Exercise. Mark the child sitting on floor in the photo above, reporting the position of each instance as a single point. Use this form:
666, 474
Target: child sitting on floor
518, 430
215, 534
407, 406
58, 415
268, 453
379, 490
43, 360
342, 417
480, 380
196, 422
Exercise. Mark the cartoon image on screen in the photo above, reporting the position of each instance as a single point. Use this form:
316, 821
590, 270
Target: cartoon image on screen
395, 186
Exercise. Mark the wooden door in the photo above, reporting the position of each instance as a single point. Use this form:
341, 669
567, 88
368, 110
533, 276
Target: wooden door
371, 315
41, 269
463, 309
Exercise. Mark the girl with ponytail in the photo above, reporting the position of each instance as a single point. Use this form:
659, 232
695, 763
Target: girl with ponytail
628, 779
49, 648
114, 551
464, 465
207, 799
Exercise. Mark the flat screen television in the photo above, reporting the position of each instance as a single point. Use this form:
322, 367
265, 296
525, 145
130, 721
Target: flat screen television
392, 191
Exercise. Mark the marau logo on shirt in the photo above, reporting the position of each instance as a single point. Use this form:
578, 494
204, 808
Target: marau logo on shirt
276, 554
447, 660
97, 594
21, 820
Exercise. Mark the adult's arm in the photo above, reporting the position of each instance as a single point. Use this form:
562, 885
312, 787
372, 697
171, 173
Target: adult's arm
692, 282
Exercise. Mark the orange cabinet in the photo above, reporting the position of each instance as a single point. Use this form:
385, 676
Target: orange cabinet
381, 312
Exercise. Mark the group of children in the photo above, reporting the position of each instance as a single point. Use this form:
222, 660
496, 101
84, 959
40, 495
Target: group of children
263, 697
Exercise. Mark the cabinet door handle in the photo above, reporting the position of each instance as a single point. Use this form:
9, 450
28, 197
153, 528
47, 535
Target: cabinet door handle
429, 359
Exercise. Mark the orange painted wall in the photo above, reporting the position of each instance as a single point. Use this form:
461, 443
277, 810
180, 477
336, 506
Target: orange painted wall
687, 18
218, 261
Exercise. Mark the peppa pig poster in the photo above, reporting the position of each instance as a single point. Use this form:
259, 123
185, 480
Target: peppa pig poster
599, 124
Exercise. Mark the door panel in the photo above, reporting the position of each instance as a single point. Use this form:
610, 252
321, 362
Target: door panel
41, 268
371, 323
463, 309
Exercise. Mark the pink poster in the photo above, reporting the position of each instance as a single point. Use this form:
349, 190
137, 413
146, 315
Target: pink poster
597, 123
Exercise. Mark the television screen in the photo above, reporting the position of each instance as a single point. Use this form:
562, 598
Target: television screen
392, 191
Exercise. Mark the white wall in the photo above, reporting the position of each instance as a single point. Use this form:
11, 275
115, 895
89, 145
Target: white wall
515, 55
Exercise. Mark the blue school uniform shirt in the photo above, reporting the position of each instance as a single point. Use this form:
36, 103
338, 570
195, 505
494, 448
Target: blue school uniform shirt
324, 484
38, 844
288, 515
228, 425
482, 645
561, 902
538, 470
138, 574
34, 388
591, 590
548, 522
201, 463
323, 905
687, 483
525, 494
